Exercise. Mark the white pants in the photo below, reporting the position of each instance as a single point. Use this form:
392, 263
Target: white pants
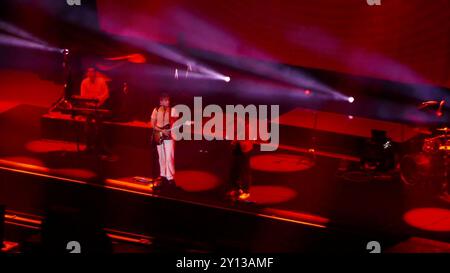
166, 154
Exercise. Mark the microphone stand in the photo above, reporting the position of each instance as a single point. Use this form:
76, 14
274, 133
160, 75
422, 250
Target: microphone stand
66, 73
445, 193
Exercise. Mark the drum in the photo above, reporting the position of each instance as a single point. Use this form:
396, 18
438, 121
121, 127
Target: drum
422, 170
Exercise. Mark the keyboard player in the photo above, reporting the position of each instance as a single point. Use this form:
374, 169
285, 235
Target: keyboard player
93, 95
95, 88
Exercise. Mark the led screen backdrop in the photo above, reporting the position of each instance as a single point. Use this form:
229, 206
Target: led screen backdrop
406, 41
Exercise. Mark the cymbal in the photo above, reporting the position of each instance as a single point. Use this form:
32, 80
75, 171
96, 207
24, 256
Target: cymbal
441, 136
444, 148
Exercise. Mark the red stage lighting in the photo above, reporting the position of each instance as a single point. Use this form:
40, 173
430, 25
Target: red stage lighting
430, 219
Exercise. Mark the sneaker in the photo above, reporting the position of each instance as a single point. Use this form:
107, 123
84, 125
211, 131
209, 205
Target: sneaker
244, 196
171, 182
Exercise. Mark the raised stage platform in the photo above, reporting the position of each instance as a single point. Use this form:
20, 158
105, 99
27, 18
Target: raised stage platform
300, 202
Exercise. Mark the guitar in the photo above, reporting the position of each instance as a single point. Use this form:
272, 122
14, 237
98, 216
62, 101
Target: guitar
159, 136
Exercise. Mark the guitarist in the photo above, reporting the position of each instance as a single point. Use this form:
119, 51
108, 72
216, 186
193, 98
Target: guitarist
162, 120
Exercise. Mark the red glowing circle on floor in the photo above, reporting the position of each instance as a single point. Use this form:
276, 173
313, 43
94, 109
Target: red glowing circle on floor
280, 163
271, 194
195, 181
431, 219
47, 146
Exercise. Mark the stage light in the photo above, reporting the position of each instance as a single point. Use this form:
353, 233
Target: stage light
350, 117
351, 99
20, 33
9, 40
227, 79
65, 51
307, 92
378, 154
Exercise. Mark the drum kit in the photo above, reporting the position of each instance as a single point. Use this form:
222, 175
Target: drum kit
429, 169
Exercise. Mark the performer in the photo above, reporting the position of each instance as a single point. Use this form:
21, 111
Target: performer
162, 120
240, 176
94, 87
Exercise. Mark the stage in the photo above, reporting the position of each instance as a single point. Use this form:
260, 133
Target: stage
235, 127
300, 201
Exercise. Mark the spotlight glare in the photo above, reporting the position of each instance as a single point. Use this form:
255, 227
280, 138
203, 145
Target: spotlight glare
351, 99
227, 79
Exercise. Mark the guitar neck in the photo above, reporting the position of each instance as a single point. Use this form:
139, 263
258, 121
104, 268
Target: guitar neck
175, 127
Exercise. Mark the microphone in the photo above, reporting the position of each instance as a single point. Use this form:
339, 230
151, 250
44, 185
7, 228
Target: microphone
125, 88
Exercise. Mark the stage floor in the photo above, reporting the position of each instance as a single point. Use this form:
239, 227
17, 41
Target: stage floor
289, 185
